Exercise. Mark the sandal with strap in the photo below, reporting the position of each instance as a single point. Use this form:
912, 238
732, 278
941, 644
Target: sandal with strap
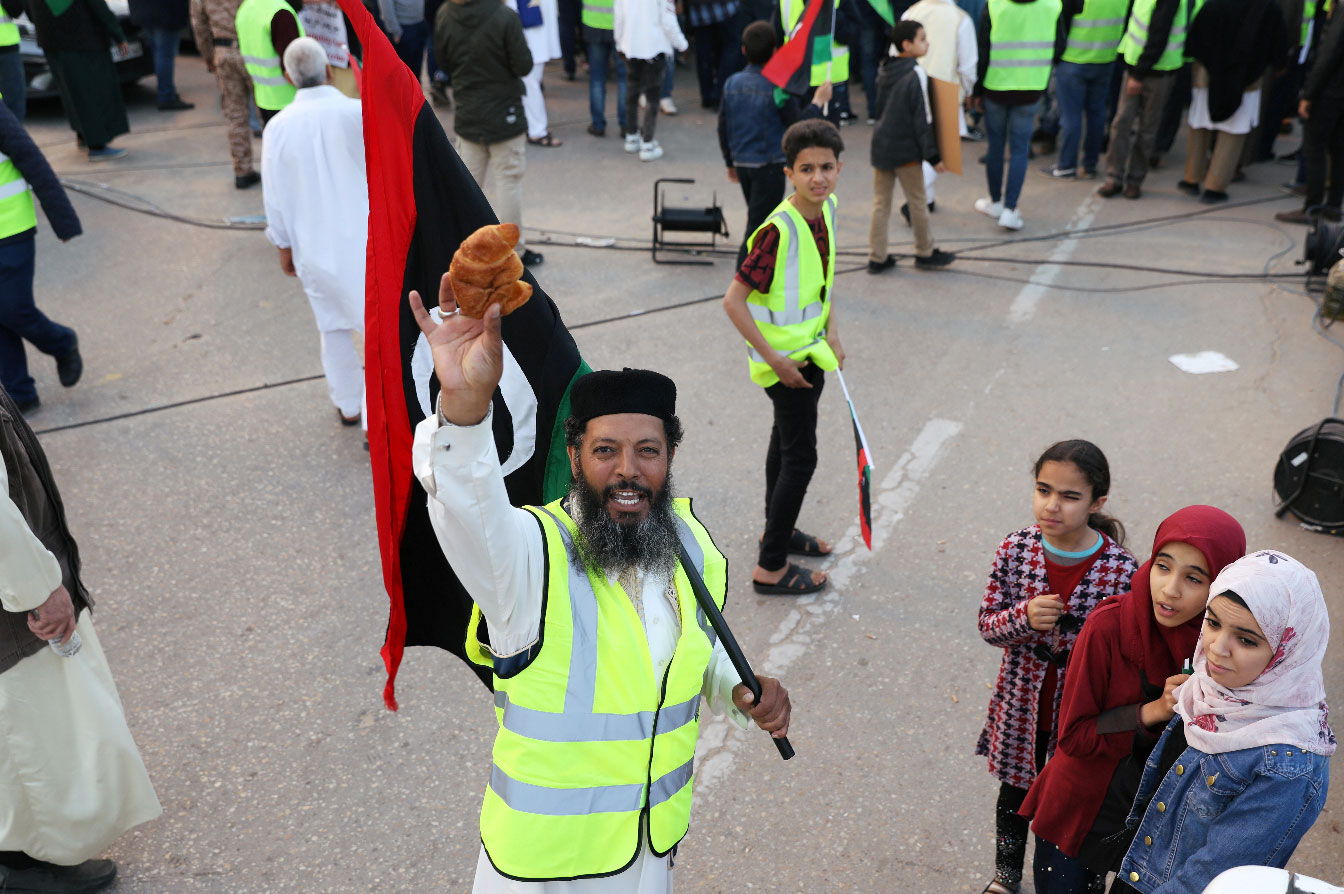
548, 141
801, 544
797, 581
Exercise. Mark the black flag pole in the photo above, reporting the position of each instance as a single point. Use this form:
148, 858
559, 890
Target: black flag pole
726, 637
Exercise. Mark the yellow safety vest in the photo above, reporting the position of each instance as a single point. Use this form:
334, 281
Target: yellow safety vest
590, 742
9, 32
253, 23
1136, 36
17, 213
599, 14
1021, 44
1094, 33
836, 67
793, 314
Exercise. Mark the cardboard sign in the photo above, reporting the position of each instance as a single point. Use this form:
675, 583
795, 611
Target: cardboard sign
324, 24
945, 97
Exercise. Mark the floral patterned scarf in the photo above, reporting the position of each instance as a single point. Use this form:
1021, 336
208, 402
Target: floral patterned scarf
1286, 703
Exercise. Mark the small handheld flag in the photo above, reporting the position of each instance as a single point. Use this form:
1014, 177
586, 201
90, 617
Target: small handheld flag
810, 44
865, 468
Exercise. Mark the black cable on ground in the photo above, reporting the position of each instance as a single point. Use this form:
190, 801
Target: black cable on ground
129, 202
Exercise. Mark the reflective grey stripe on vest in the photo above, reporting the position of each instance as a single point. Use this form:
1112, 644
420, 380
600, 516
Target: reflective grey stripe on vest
1097, 23
263, 61
528, 798
5, 20
756, 355
1023, 45
546, 726
667, 785
697, 557
1091, 44
1019, 63
582, 687
269, 82
792, 265
13, 188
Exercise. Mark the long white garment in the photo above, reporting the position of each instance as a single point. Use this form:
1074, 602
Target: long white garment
1246, 117
317, 200
71, 778
953, 52
544, 43
534, 101
497, 553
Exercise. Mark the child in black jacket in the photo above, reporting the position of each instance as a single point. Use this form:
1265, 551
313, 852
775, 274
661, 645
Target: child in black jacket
903, 140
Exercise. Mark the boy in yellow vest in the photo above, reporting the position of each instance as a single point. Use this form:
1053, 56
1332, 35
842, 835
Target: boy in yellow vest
780, 300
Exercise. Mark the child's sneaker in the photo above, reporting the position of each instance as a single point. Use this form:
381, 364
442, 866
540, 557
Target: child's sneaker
987, 207
667, 106
1010, 219
632, 142
650, 151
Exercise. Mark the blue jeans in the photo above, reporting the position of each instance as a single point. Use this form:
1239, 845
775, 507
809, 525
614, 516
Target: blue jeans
718, 55
411, 48
868, 52
669, 75
163, 44
20, 319
599, 55
1011, 125
12, 83
1081, 89
436, 74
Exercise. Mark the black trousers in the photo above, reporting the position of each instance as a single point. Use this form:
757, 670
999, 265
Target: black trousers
763, 188
644, 77
789, 463
1322, 138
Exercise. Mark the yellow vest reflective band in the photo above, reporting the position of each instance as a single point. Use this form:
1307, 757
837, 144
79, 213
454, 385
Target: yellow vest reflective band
253, 23
836, 67
1094, 33
1308, 15
793, 315
599, 14
17, 214
1021, 44
9, 32
590, 743
1136, 36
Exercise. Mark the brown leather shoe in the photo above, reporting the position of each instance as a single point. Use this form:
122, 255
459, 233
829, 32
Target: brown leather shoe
1132, 191
1109, 189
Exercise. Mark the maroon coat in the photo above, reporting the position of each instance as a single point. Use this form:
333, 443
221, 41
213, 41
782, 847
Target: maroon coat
1017, 576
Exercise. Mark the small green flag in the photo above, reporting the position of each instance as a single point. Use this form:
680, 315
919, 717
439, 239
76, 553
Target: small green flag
821, 49
883, 8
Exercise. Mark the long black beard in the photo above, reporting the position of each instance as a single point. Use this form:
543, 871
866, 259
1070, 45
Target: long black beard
650, 544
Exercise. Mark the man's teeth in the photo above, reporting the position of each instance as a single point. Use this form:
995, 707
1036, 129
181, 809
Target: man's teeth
627, 499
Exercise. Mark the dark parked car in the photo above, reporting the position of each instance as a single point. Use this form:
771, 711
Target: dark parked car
131, 66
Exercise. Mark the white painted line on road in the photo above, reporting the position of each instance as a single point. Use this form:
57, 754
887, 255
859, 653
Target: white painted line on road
1204, 362
720, 739
1024, 305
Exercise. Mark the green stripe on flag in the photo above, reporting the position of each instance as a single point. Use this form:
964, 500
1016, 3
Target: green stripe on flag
559, 474
821, 49
883, 8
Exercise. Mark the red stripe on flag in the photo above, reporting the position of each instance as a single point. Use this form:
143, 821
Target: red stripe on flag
392, 99
790, 57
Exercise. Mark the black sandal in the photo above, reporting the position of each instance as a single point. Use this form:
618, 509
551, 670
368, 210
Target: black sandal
801, 544
547, 141
797, 581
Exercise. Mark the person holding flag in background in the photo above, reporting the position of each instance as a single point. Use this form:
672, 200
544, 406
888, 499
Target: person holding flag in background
815, 38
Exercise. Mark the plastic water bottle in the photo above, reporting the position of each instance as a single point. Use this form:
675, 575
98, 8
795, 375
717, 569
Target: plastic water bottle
68, 649
1189, 666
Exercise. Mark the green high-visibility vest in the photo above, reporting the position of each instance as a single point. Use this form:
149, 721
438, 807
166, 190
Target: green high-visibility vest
793, 314
589, 739
1094, 33
17, 214
9, 32
253, 23
1308, 15
599, 14
830, 60
1136, 35
1021, 44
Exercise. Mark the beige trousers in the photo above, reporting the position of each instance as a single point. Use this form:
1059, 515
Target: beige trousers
911, 177
508, 158
1214, 168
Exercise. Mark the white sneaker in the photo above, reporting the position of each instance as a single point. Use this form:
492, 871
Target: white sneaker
650, 151
632, 142
667, 106
1010, 219
993, 209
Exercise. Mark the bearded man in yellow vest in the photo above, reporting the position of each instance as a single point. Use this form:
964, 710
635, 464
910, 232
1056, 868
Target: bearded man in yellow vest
600, 653
1153, 50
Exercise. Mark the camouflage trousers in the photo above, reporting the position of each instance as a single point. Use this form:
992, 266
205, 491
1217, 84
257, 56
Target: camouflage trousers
235, 87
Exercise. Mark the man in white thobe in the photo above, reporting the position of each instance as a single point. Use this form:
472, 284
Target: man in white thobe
317, 212
542, 33
620, 466
953, 55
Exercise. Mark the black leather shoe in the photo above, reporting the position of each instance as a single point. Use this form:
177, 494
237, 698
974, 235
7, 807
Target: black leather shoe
876, 267
176, 104
25, 407
69, 367
531, 258
251, 178
48, 878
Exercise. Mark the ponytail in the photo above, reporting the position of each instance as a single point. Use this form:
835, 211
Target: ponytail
1089, 460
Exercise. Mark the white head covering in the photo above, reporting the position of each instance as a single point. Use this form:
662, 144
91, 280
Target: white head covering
1285, 705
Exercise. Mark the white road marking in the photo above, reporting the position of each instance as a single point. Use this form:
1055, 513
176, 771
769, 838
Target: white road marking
1204, 362
720, 739
1024, 305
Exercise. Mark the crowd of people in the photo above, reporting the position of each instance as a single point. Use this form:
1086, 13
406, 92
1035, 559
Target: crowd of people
1162, 722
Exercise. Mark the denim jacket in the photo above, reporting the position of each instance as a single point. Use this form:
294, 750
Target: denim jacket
753, 125
1211, 812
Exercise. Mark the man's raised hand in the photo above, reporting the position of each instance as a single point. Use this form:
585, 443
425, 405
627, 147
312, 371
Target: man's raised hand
468, 355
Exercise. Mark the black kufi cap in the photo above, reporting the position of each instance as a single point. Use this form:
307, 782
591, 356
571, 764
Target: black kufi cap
607, 391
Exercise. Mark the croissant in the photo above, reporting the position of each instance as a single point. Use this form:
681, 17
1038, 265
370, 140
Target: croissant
485, 271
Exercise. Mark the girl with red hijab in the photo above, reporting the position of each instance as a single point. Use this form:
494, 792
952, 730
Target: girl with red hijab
1118, 695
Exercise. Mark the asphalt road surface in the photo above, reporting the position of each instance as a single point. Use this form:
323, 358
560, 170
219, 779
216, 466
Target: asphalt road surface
229, 540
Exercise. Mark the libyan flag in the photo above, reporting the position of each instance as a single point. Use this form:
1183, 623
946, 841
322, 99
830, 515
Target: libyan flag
809, 44
422, 204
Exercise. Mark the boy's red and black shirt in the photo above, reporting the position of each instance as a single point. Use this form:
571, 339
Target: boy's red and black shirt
758, 268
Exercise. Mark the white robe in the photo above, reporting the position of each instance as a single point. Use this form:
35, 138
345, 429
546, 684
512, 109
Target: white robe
71, 778
317, 200
498, 555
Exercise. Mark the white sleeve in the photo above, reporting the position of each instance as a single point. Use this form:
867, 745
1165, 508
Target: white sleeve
618, 12
28, 571
968, 55
276, 231
495, 548
672, 28
720, 678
